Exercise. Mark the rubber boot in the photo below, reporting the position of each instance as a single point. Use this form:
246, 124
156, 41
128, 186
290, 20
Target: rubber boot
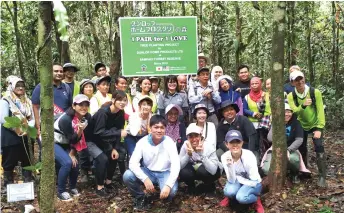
27, 176
8, 179
321, 163
83, 176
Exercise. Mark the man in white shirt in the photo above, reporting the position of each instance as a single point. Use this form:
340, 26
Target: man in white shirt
160, 165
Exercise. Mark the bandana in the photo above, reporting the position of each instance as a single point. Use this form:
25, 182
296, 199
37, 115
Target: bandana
256, 95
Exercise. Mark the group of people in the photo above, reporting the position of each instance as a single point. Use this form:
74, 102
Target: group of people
191, 131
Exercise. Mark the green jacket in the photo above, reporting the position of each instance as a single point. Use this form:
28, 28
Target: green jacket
310, 117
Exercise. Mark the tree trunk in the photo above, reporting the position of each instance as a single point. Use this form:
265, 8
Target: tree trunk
62, 46
200, 32
237, 34
288, 33
334, 73
149, 8
213, 45
97, 51
47, 182
183, 8
17, 35
294, 51
278, 170
162, 13
308, 7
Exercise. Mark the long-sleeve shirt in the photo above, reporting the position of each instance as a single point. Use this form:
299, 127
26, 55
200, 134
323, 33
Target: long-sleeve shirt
310, 117
245, 170
207, 158
156, 158
196, 97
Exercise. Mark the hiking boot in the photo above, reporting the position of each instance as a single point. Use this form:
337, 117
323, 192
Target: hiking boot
64, 196
259, 206
102, 192
83, 176
141, 204
74, 193
27, 176
295, 179
224, 202
321, 163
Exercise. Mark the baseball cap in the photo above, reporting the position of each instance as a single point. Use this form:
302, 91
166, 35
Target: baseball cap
145, 97
287, 107
193, 129
203, 69
171, 106
80, 98
103, 78
98, 65
70, 65
233, 135
296, 74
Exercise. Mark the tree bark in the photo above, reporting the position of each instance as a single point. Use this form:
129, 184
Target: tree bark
200, 26
294, 51
213, 45
237, 34
183, 8
17, 36
278, 169
47, 182
334, 73
149, 8
162, 13
308, 7
97, 51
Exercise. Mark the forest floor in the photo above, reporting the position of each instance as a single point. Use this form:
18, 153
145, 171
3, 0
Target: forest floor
304, 197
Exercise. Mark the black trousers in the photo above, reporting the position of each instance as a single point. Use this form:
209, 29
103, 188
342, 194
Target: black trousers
12, 154
84, 159
318, 145
188, 175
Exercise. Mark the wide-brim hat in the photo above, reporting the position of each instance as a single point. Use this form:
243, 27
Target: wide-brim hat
70, 65
201, 55
103, 78
198, 107
228, 103
171, 106
83, 83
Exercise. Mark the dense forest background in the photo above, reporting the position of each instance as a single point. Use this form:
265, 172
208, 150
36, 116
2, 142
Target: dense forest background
230, 33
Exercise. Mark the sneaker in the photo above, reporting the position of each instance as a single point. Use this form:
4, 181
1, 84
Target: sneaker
224, 202
102, 192
64, 196
141, 204
110, 188
259, 206
295, 179
74, 192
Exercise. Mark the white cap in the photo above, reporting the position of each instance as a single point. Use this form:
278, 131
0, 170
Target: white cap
171, 106
193, 129
287, 107
296, 74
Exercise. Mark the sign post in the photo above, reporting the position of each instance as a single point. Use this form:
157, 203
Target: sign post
158, 46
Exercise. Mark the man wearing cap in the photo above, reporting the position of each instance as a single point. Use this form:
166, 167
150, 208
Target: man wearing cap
63, 95
204, 93
202, 60
102, 96
154, 161
69, 71
100, 69
232, 121
243, 179
198, 161
243, 84
289, 86
310, 111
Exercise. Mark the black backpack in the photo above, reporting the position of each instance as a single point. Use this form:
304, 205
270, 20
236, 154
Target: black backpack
312, 94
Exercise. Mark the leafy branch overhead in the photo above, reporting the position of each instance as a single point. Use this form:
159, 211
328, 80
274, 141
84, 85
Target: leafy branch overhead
62, 19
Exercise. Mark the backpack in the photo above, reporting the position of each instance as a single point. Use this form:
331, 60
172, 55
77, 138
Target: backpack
312, 94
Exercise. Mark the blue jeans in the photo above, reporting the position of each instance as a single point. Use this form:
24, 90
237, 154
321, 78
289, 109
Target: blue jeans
134, 184
63, 164
130, 143
243, 194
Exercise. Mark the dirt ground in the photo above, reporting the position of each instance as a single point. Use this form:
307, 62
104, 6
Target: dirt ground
304, 197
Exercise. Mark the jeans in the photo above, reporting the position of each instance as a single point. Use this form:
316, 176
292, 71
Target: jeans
63, 164
243, 194
188, 175
134, 184
130, 142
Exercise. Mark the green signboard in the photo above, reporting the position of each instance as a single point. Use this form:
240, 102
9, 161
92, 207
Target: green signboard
158, 46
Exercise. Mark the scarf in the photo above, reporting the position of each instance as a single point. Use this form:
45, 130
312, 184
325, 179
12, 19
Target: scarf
80, 145
230, 94
256, 95
304, 94
172, 130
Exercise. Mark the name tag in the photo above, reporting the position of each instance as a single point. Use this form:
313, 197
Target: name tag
20, 191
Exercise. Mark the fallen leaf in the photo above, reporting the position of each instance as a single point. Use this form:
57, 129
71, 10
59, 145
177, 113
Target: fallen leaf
284, 196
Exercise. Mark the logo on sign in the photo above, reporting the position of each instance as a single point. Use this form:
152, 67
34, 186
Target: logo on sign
165, 68
143, 67
158, 68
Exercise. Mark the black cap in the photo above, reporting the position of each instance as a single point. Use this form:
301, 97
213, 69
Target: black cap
103, 78
228, 103
99, 65
203, 69
70, 65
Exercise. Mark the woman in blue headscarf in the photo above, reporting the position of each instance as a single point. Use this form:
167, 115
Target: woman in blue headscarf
226, 91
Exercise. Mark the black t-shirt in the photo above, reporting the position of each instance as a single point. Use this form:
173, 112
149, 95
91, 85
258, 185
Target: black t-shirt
244, 86
293, 130
242, 124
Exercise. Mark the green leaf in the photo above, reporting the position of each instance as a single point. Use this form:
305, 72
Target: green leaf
249, 39
32, 132
12, 122
38, 166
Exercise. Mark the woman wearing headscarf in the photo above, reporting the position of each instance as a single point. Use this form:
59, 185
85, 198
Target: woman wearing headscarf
14, 141
216, 72
225, 85
257, 109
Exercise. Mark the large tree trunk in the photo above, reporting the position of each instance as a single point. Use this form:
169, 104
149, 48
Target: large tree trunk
17, 36
237, 34
47, 182
97, 51
278, 170
213, 45
294, 51
149, 8
183, 8
200, 32
308, 7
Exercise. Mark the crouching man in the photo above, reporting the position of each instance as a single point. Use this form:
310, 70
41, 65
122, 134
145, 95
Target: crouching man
198, 162
160, 165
